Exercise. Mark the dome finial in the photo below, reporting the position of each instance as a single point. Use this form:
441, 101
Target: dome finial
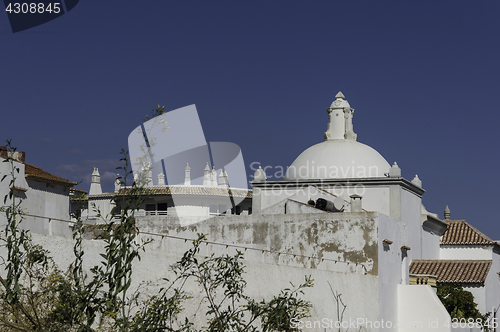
340, 119
416, 181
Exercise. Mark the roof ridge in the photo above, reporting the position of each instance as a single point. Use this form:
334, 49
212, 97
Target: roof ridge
452, 260
30, 171
34, 166
461, 232
479, 232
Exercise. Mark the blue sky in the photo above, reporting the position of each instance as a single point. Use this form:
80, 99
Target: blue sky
423, 77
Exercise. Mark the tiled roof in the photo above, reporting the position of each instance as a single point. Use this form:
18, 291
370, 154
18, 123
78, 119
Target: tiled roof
453, 271
76, 194
36, 173
460, 232
184, 190
79, 191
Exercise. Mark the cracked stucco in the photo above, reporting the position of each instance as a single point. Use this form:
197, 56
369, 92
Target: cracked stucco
345, 237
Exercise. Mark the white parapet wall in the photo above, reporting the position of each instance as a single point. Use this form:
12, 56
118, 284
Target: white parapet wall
266, 273
343, 252
339, 251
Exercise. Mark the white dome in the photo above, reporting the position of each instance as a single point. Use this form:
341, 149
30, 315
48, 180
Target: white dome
338, 159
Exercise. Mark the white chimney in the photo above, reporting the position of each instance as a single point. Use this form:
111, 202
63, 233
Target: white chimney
95, 185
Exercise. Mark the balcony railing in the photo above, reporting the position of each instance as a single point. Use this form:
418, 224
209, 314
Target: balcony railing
423, 279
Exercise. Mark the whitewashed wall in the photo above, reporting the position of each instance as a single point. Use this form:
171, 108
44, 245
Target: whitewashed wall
465, 252
410, 215
421, 310
492, 284
390, 266
430, 244
349, 238
40, 199
488, 296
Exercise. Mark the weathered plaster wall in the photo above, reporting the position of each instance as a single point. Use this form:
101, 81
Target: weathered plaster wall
343, 252
314, 239
350, 237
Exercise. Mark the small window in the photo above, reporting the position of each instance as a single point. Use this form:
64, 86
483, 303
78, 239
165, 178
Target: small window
162, 206
150, 207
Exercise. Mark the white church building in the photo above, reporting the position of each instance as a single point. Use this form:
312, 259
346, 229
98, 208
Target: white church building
342, 215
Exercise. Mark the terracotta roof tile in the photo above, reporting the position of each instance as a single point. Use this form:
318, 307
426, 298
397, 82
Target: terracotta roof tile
453, 271
79, 191
36, 173
460, 232
184, 190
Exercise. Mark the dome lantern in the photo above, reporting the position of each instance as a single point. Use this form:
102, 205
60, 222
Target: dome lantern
340, 156
340, 116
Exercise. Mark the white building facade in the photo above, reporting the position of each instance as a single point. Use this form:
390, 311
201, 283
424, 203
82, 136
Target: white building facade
342, 214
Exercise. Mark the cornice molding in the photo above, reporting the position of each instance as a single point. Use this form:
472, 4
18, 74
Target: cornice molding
369, 182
